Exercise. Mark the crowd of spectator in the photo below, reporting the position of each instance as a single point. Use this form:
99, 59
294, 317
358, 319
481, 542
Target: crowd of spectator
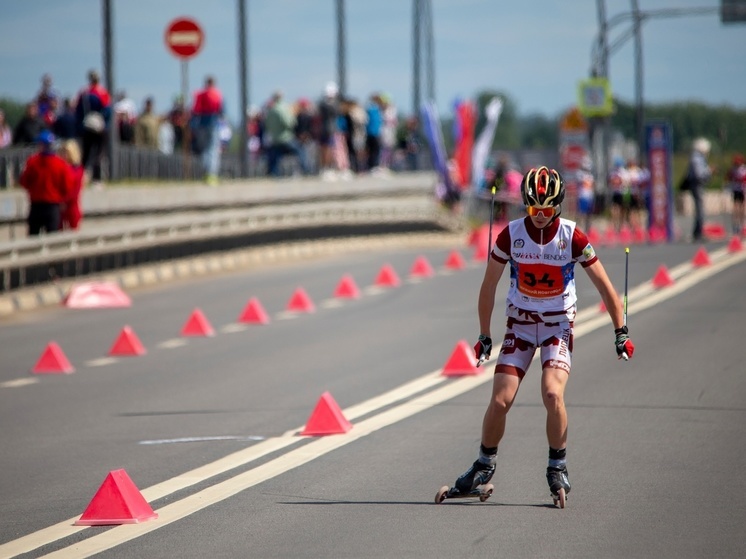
336, 136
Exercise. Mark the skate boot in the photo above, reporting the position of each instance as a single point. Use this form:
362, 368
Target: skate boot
559, 484
478, 474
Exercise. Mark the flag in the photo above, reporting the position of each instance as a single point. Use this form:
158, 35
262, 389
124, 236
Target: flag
484, 142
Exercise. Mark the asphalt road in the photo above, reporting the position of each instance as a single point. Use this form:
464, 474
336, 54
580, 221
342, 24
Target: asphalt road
656, 444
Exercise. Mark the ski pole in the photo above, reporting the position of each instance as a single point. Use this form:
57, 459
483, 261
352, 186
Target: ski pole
483, 357
624, 301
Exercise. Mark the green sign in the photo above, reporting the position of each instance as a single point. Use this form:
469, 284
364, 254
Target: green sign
594, 97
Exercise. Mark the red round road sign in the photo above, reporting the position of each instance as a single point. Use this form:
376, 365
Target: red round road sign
184, 37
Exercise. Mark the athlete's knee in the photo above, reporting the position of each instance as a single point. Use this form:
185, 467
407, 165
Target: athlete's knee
499, 405
553, 399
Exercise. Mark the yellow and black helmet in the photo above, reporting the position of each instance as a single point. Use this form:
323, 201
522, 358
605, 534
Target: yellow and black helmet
542, 188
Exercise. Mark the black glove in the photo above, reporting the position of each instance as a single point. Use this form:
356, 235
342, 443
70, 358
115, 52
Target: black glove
483, 347
624, 346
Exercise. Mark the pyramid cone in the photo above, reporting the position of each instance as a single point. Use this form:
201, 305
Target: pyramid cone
735, 245
640, 235
300, 302
387, 277
421, 268
701, 258
610, 238
461, 362
53, 361
127, 343
625, 235
197, 325
326, 419
602, 307
662, 278
253, 313
117, 501
347, 288
481, 252
455, 261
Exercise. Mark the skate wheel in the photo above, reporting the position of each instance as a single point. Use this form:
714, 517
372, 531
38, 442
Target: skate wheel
486, 492
562, 498
440, 496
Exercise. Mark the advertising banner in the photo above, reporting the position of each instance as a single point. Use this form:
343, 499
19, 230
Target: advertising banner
659, 148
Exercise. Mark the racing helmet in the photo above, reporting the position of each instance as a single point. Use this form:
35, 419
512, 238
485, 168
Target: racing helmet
542, 188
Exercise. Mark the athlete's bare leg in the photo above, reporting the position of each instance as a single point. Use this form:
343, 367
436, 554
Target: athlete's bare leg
553, 382
504, 390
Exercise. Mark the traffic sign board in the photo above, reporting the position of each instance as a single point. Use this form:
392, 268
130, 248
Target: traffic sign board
184, 37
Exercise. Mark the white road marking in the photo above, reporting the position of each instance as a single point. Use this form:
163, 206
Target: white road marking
18, 382
203, 439
101, 362
645, 296
331, 303
233, 328
172, 343
286, 315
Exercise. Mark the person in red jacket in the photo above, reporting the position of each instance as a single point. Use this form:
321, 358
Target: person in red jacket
48, 180
71, 212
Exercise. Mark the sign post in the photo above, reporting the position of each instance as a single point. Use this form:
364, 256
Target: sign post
659, 149
184, 39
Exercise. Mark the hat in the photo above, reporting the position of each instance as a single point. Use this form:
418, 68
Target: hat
702, 145
331, 89
45, 137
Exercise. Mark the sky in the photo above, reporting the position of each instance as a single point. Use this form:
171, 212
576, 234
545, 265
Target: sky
534, 50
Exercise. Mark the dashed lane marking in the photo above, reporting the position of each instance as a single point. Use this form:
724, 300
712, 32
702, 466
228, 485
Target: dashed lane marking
18, 382
101, 362
172, 343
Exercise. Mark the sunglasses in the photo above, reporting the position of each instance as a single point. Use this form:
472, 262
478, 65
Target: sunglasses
533, 211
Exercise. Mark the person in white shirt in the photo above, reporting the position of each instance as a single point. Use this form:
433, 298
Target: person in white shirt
542, 250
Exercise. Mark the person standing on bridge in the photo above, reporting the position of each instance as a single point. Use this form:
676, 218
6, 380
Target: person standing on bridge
49, 182
206, 113
542, 250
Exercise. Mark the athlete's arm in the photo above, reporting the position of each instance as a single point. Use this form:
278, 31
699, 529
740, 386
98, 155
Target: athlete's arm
609, 296
486, 302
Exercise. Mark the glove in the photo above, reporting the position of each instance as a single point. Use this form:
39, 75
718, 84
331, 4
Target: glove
623, 344
483, 347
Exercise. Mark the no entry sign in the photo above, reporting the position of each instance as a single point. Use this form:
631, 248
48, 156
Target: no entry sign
184, 37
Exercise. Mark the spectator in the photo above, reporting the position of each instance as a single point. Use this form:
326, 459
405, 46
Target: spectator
179, 120
48, 180
225, 134
304, 134
736, 181
28, 128
255, 133
700, 173
621, 196
47, 100
410, 142
328, 113
125, 112
279, 125
206, 113
388, 131
93, 111
6, 135
146, 127
66, 127
373, 128
71, 213
165, 136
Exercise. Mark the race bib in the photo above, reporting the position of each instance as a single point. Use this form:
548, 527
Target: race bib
540, 280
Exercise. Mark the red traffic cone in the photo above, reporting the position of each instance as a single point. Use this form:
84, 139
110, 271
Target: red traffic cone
735, 245
53, 361
197, 325
253, 313
347, 288
461, 362
662, 278
127, 343
455, 261
594, 237
117, 501
300, 302
701, 258
387, 277
602, 307
326, 419
421, 268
